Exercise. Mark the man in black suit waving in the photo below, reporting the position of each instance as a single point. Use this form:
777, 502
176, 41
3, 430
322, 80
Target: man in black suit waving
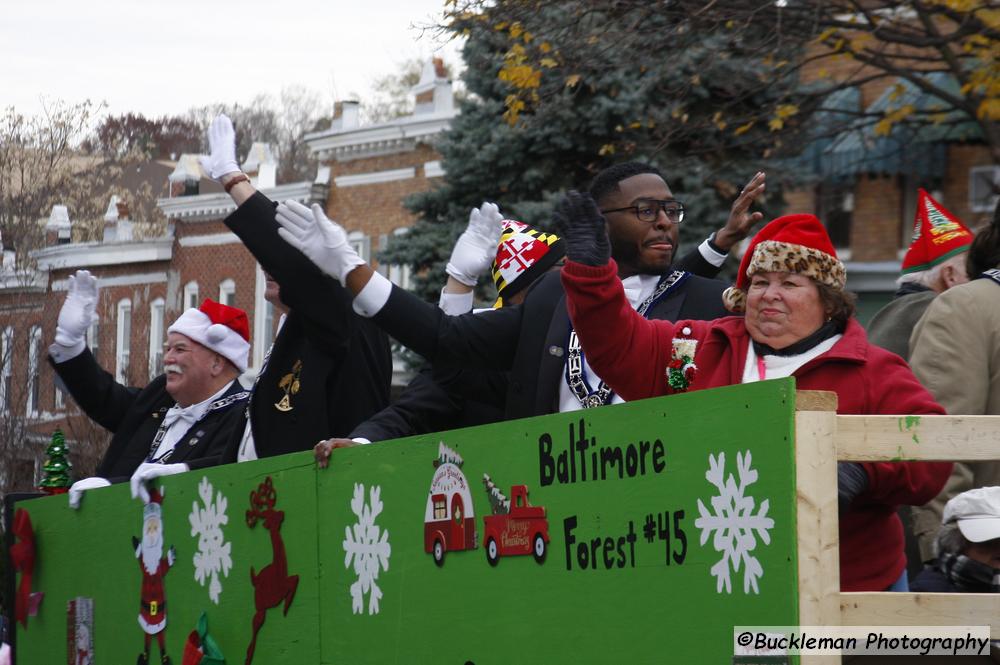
530, 340
328, 369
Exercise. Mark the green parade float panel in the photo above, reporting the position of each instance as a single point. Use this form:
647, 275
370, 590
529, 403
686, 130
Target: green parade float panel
638, 564
90, 553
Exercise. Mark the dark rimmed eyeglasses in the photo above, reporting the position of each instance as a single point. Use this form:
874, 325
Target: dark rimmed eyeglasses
648, 210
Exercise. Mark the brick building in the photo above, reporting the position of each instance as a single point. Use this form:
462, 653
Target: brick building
371, 169
146, 283
867, 184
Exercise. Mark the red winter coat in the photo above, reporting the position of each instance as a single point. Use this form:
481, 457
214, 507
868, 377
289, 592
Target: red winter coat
631, 354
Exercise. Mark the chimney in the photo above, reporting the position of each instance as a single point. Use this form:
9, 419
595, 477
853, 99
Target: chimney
58, 230
111, 220
261, 165
117, 226
9, 257
439, 70
346, 115
433, 93
185, 177
319, 192
124, 231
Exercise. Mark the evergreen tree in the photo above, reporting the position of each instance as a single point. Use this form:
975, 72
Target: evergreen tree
552, 100
57, 466
499, 503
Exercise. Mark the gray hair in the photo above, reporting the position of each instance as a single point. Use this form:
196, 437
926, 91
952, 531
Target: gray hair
930, 278
950, 540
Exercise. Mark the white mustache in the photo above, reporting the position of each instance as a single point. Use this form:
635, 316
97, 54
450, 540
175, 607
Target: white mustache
173, 369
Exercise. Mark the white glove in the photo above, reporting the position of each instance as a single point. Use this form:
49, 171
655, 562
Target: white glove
222, 148
76, 489
477, 246
146, 472
77, 312
324, 242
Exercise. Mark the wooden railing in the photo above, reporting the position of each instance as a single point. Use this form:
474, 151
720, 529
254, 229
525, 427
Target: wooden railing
822, 439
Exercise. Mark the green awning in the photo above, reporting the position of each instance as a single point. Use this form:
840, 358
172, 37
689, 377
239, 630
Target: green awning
838, 110
913, 146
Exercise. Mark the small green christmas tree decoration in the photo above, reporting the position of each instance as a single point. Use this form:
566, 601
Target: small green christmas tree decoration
57, 467
499, 503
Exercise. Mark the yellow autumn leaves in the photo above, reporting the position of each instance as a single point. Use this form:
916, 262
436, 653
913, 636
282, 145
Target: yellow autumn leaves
520, 73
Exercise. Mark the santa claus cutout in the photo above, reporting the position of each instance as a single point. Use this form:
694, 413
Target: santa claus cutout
154, 566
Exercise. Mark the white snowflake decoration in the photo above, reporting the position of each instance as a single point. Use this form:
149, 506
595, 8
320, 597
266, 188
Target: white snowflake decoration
368, 545
213, 555
733, 523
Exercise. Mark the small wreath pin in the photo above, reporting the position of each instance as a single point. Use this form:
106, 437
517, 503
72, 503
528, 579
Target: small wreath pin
681, 370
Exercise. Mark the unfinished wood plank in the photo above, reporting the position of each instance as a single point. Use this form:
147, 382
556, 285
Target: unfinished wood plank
815, 400
816, 520
880, 438
921, 609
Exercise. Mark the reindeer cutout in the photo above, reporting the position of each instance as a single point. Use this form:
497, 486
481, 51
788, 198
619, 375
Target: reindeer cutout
273, 583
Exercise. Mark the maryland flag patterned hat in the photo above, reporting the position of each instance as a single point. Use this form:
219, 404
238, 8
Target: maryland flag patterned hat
937, 236
523, 255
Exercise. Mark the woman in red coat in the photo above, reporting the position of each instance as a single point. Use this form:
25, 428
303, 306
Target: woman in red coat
799, 322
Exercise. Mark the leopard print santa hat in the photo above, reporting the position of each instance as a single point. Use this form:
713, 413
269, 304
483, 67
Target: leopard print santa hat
793, 243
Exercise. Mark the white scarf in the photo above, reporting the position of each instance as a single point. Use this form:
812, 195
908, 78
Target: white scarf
179, 419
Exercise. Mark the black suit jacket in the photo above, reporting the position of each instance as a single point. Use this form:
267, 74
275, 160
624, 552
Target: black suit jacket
134, 415
435, 401
528, 340
334, 367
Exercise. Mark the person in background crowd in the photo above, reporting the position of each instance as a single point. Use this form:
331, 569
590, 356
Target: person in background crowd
184, 417
799, 322
533, 340
967, 546
934, 262
955, 352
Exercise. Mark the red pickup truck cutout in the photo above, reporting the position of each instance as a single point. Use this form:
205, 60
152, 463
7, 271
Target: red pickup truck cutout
516, 527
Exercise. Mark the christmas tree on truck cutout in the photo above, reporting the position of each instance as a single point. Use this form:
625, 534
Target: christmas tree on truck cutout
515, 527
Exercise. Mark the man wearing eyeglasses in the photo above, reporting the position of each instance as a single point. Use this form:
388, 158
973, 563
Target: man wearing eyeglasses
547, 373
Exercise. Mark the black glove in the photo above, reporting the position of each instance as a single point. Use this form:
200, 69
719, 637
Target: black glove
852, 480
582, 227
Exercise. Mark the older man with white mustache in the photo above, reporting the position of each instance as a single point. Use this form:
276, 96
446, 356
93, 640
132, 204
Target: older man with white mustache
183, 418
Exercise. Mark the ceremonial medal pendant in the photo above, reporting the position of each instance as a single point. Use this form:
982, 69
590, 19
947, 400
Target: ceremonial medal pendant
290, 385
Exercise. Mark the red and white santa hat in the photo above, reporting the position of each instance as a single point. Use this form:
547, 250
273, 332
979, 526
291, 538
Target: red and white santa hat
937, 236
793, 243
219, 327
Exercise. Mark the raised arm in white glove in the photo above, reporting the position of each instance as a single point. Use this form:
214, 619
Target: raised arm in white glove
477, 246
324, 242
77, 314
77, 489
221, 159
148, 471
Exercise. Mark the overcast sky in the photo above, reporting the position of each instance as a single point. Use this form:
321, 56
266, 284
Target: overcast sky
158, 57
